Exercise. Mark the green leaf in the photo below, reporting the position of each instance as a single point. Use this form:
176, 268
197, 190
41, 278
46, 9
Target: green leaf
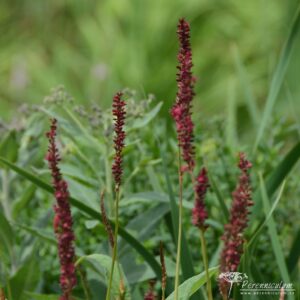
150, 197
9, 146
192, 285
144, 197
102, 264
147, 118
25, 198
266, 219
278, 77
26, 278
35, 296
6, 237
74, 173
145, 222
294, 254
37, 233
149, 258
273, 235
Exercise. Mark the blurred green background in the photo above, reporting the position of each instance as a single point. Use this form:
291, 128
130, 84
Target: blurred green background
94, 48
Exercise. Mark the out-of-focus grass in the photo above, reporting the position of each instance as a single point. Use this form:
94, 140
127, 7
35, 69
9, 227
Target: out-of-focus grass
97, 47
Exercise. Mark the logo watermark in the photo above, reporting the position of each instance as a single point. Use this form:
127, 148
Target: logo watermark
256, 288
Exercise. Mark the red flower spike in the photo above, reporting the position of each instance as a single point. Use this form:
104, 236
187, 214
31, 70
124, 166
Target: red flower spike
62, 223
150, 294
199, 212
233, 234
119, 114
181, 110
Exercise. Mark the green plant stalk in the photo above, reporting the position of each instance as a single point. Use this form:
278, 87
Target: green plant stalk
205, 262
179, 227
115, 248
84, 283
5, 194
163, 295
108, 179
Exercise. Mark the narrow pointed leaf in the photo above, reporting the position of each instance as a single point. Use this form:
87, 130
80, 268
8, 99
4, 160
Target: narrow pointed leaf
294, 254
274, 235
193, 284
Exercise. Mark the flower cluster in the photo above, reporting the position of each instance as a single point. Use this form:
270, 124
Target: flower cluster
150, 294
233, 235
62, 222
181, 110
199, 213
119, 114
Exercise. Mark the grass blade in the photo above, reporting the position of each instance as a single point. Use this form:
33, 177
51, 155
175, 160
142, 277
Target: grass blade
278, 77
193, 284
270, 213
273, 235
294, 254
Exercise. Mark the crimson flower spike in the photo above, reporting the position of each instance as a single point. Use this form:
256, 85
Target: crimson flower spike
62, 222
150, 294
233, 234
119, 114
199, 213
181, 110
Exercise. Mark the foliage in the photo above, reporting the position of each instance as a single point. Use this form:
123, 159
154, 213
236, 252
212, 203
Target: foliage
148, 206
85, 137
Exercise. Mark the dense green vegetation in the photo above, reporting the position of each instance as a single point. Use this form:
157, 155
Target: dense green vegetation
246, 58
93, 48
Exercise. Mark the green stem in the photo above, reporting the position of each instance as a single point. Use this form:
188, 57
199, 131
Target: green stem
115, 250
205, 261
163, 296
5, 194
179, 228
82, 275
108, 180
